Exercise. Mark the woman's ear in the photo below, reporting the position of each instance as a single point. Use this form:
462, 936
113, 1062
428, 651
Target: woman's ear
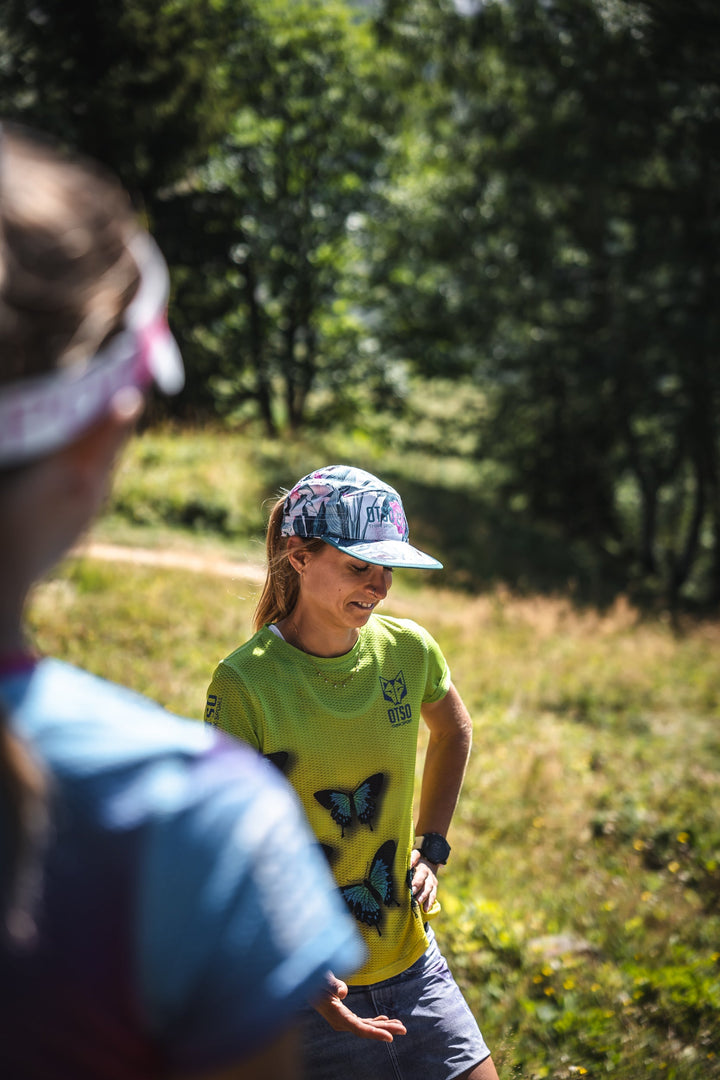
297, 553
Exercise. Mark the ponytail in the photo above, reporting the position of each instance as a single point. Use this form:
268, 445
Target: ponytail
23, 813
282, 582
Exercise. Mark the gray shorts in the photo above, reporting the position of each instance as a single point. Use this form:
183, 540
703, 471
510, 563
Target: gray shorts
443, 1040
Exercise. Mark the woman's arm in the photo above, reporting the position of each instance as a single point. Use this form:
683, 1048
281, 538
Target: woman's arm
445, 762
446, 759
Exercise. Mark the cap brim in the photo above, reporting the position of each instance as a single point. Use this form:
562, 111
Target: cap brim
147, 315
385, 553
165, 364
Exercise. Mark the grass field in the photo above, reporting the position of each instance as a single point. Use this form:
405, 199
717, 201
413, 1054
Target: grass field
582, 901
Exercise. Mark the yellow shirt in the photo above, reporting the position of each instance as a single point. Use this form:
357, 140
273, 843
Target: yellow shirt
344, 731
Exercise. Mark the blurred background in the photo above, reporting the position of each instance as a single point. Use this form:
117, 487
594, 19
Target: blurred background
486, 232
473, 247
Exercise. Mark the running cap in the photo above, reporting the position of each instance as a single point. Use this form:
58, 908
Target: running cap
43, 413
356, 513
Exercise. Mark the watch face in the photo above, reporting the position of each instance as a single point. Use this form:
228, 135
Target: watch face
435, 848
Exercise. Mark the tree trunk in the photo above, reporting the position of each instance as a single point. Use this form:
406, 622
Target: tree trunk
680, 564
263, 394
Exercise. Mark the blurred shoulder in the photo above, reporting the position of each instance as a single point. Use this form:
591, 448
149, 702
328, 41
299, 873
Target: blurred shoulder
121, 758
80, 723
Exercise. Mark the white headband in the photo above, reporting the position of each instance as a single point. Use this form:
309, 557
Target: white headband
41, 414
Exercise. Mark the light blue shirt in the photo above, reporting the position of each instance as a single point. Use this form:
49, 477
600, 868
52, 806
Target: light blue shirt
186, 912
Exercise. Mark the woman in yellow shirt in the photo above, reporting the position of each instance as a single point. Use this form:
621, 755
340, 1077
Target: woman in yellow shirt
332, 692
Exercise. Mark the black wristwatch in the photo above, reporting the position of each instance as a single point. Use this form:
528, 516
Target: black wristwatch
434, 847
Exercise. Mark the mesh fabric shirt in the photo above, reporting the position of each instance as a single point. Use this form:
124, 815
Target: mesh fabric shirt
344, 731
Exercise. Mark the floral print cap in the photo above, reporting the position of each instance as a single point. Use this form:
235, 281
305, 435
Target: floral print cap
356, 513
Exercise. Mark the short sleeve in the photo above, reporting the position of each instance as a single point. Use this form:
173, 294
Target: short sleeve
231, 707
240, 917
437, 682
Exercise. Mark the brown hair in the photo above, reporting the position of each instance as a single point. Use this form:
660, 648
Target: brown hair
282, 582
66, 277
66, 274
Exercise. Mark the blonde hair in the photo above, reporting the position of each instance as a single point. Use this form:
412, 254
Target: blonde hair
282, 581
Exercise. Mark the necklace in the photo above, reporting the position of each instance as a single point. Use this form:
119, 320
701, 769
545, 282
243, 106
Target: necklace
340, 685
331, 682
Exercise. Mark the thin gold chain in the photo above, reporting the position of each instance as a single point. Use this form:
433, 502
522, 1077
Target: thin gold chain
337, 685
316, 669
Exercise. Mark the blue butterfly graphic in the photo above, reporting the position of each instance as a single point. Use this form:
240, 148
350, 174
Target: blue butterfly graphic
364, 898
330, 852
280, 759
362, 802
409, 880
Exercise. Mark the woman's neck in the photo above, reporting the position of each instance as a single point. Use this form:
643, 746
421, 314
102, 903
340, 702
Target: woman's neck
317, 640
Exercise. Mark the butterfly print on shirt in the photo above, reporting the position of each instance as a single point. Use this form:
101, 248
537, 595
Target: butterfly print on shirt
365, 898
360, 803
331, 853
281, 759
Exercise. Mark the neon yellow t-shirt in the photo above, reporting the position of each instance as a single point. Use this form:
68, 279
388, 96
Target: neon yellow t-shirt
344, 731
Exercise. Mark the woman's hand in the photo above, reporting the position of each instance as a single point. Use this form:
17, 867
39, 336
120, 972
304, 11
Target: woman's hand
340, 1018
424, 880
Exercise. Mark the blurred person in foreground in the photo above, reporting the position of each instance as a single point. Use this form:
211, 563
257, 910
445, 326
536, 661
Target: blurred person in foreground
152, 924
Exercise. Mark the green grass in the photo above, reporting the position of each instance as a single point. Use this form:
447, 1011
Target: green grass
582, 900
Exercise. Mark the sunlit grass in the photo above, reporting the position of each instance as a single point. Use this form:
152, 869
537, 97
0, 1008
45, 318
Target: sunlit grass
582, 901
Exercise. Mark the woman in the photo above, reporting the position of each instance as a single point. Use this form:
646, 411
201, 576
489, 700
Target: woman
332, 693
144, 927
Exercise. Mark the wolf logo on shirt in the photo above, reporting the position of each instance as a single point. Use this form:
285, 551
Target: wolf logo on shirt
394, 690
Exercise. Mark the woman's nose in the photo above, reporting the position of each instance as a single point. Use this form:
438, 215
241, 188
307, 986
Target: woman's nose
381, 582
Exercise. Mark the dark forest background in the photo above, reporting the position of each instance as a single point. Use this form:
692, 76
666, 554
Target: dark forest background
509, 209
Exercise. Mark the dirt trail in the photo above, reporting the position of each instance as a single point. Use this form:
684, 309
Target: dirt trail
176, 560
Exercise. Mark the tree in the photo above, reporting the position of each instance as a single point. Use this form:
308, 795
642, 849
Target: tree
252, 135
135, 83
571, 230
140, 85
279, 204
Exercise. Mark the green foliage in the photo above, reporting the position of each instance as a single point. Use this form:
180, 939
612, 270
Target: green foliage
517, 200
272, 216
553, 236
216, 484
134, 83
